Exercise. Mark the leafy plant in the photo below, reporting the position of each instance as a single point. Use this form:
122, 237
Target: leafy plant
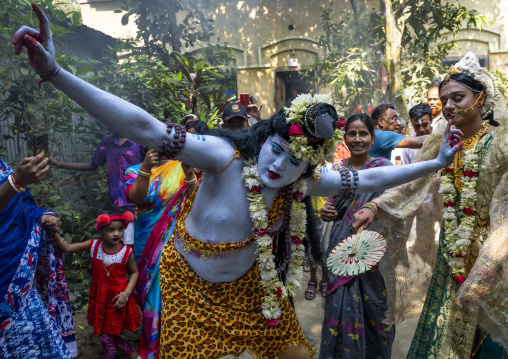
390, 54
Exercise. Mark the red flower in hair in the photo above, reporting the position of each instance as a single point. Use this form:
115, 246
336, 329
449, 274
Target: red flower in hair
295, 130
255, 189
341, 123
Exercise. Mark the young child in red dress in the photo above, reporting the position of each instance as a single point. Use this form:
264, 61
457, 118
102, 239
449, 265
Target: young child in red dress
111, 308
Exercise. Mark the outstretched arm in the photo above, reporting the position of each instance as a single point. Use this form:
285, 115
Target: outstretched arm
119, 115
66, 247
381, 178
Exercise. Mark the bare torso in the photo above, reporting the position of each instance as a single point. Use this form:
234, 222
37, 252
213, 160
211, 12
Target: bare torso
220, 213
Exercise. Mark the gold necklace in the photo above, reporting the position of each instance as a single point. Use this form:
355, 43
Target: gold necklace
469, 143
106, 263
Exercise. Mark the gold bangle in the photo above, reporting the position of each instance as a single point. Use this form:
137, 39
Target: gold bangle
372, 207
192, 181
145, 174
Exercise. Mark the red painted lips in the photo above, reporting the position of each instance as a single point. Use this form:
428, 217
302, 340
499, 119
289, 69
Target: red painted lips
273, 175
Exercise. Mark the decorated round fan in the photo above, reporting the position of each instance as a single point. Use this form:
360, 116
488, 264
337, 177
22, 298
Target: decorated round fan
357, 253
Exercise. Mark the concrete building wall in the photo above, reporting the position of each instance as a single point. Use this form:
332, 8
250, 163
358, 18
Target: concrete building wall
264, 34
490, 43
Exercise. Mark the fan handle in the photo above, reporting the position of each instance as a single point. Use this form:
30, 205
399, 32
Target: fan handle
357, 241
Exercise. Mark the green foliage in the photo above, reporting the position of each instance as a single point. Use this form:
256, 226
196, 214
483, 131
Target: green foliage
503, 83
165, 25
28, 109
167, 85
356, 43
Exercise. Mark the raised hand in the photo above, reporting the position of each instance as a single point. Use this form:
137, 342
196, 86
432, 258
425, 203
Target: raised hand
151, 160
31, 170
39, 45
451, 138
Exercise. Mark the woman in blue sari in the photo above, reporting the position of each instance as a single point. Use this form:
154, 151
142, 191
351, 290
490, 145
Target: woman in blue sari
32, 325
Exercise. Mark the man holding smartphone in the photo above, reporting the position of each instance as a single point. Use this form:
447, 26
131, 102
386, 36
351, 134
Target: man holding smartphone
118, 154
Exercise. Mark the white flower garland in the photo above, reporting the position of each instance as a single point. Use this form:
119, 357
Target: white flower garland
274, 288
458, 235
298, 142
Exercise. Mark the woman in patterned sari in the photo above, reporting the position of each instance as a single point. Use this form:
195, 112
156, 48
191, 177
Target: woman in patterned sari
32, 324
465, 314
355, 306
158, 187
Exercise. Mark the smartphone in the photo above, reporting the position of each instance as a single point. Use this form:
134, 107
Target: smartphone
41, 144
245, 99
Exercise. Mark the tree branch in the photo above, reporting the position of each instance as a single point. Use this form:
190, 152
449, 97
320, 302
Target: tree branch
355, 7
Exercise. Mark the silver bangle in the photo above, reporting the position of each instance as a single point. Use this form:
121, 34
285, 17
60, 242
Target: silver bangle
125, 295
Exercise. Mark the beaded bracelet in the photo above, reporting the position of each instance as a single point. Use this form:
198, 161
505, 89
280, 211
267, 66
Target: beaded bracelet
171, 150
354, 185
345, 182
125, 295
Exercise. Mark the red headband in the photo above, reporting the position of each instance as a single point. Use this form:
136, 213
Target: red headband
105, 219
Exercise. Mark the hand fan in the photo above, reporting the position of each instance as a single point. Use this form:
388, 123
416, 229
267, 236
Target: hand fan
357, 253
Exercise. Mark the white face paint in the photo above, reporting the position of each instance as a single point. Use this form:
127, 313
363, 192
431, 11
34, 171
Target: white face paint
276, 164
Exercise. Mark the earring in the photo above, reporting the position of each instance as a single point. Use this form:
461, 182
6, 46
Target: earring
372, 142
479, 104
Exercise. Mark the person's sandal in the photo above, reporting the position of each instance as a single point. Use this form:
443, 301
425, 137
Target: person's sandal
310, 293
323, 288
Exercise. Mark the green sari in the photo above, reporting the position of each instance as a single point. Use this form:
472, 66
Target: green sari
446, 329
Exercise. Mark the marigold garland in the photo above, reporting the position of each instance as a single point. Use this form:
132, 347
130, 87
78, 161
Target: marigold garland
275, 289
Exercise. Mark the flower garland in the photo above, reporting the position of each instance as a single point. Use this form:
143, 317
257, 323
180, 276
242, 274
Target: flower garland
458, 236
275, 289
298, 141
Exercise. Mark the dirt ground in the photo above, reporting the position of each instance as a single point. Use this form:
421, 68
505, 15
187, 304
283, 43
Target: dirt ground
310, 316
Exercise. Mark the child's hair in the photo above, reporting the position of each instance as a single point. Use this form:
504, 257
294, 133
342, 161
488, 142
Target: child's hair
112, 213
111, 210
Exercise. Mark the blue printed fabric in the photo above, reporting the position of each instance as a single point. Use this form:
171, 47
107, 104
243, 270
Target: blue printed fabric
29, 326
